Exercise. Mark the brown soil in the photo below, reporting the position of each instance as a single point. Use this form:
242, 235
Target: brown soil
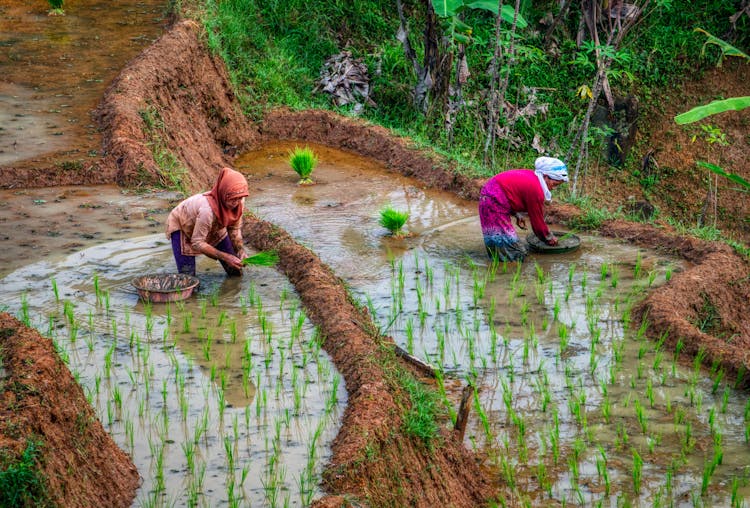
204, 127
41, 401
682, 189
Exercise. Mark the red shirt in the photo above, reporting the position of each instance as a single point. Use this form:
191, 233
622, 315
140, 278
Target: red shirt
525, 194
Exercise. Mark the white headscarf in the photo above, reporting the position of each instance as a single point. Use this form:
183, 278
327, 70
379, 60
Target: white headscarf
551, 168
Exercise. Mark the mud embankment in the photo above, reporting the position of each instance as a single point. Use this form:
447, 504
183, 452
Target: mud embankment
41, 402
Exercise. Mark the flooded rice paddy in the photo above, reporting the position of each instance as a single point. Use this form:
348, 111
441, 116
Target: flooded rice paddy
227, 398
55, 70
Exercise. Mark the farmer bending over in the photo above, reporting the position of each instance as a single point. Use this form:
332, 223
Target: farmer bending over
518, 191
210, 224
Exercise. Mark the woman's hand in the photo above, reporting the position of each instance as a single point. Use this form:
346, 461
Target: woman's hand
520, 222
551, 241
233, 261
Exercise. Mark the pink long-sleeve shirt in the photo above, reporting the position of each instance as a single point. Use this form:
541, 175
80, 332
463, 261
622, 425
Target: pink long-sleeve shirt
525, 194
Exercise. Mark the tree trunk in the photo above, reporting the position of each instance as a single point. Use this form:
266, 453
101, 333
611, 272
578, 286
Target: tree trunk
493, 111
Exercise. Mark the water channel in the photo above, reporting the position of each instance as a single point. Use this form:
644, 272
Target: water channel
228, 399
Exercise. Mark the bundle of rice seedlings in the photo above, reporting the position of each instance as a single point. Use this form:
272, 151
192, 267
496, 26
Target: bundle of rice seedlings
265, 258
393, 220
56, 8
303, 161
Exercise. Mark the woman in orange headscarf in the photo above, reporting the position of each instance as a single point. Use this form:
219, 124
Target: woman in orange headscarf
210, 223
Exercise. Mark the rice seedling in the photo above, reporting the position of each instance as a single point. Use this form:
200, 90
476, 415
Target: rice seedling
303, 161
563, 334
221, 318
110, 414
641, 416
604, 269
638, 265
637, 471
737, 500
187, 319
524, 311
98, 293
55, 290
615, 276
51, 326
709, 467
540, 292
555, 437
601, 469
725, 399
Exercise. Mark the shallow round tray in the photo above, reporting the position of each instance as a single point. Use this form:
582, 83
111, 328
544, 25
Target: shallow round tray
567, 242
165, 287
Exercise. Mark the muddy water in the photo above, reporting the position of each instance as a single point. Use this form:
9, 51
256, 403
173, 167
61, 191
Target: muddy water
51, 223
55, 69
227, 398
570, 403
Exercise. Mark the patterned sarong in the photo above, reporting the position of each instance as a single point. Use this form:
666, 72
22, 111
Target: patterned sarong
495, 214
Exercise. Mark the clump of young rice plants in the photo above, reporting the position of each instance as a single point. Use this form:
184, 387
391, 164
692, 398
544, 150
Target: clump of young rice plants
266, 258
56, 8
303, 161
393, 220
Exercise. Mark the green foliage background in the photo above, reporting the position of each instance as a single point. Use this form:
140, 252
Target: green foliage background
275, 50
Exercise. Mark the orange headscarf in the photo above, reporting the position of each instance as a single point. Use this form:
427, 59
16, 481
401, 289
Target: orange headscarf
230, 184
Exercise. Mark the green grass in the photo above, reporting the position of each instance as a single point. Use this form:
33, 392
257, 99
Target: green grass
275, 51
591, 216
423, 408
21, 482
708, 319
172, 174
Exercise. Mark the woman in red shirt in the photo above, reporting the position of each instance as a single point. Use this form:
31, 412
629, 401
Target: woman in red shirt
507, 194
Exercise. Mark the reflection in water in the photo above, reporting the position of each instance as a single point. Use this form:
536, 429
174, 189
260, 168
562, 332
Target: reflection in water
55, 70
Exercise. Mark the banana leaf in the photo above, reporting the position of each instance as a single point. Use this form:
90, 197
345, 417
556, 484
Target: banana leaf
712, 108
730, 176
449, 8
726, 48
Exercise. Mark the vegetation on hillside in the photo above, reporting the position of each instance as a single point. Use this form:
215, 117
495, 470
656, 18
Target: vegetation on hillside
491, 85
546, 70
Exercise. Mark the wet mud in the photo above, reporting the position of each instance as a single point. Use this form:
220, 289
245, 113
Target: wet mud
205, 127
54, 71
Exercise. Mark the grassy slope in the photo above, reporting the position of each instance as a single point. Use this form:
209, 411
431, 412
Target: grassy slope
275, 50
